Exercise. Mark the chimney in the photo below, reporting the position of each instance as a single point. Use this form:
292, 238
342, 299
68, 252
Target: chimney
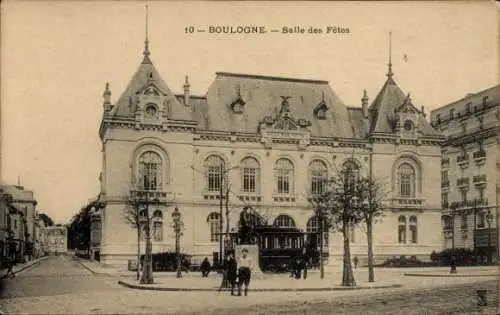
107, 99
364, 104
186, 92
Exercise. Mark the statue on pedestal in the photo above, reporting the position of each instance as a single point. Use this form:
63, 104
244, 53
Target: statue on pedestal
247, 224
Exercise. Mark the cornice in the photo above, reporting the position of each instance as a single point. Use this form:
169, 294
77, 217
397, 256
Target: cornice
472, 137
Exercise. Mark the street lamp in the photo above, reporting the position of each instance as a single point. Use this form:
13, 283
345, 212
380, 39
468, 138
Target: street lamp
489, 219
176, 217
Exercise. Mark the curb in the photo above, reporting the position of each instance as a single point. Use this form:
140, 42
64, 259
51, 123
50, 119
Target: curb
141, 287
448, 275
34, 263
90, 269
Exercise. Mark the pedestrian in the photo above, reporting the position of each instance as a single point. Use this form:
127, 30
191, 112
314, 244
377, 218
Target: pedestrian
245, 266
205, 268
10, 272
356, 261
304, 264
230, 272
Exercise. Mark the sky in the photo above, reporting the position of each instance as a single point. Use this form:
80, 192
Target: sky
57, 56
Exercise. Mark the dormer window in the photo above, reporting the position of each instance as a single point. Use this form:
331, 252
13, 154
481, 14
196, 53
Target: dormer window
468, 108
485, 100
321, 114
320, 111
452, 113
237, 106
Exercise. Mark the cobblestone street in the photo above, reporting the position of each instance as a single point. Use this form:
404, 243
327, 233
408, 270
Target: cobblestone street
61, 285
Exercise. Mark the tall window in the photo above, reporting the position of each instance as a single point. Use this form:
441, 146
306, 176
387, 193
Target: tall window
284, 220
444, 200
318, 175
452, 113
250, 175
215, 228
313, 231
406, 175
284, 176
150, 167
402, 229
351, 170
481, 220
448, 223
214, 171
444, 176
463, 192
413, 229
157, 226
465, 222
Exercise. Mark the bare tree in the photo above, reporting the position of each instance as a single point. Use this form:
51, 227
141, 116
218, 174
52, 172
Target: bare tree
138, 215
131, 215
370, 195
337, 203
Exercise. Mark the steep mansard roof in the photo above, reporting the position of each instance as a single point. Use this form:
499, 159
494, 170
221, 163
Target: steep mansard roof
260, 96
145, 75
383, 110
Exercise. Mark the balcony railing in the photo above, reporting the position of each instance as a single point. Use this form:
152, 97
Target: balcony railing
408, 202
479, 179
250, 197
150, 195
463, 182
479, 154
445, 184
469, 203
284, 198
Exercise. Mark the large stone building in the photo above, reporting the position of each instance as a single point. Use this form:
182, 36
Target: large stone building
57, 240
469, 169
275, 139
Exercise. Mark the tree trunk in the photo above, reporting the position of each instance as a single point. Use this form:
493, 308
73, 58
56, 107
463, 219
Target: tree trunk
138, 275
369, 230
147, 268
347, 274
147, 273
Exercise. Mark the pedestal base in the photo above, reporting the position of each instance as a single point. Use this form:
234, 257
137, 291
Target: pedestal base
253, 253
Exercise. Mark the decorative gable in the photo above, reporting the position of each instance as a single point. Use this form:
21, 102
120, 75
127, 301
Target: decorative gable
407, 118
284, 128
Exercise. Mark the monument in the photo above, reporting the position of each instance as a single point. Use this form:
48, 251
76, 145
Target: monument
248, 238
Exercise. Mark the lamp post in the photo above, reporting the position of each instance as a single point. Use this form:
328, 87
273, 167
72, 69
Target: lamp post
489, 219
176, 217
453, 266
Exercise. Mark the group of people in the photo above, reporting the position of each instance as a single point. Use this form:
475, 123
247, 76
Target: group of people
237, 273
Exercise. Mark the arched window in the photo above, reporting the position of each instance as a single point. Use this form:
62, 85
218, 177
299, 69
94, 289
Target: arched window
413, 229
215, 227
402, 229
318, 175
406, 176
284, 220
283, 173
214, 171
313, 230
351, 173
250, 175
157, 221
150, 166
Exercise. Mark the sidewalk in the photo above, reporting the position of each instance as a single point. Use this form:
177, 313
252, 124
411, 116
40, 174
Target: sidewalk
483, 271
266, 283
20, 267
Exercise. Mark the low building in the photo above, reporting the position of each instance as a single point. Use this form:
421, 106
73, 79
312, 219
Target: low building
57, 240
469, 169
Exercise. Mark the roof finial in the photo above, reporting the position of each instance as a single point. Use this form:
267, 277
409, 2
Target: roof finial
146, 42
389, 71
18, 180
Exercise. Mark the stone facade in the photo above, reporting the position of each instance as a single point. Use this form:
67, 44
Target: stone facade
469, 166
272, 138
